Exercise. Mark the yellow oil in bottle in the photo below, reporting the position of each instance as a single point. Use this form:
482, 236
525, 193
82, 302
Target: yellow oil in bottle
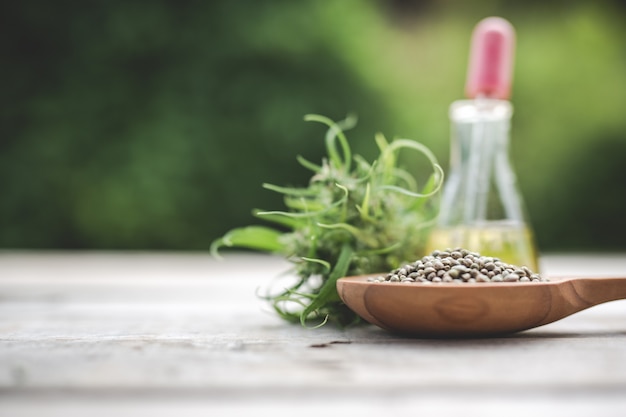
513, 244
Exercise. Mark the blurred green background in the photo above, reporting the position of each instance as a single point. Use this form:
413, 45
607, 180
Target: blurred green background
152, 125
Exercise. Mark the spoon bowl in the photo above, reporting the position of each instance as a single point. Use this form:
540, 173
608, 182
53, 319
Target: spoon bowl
473, 310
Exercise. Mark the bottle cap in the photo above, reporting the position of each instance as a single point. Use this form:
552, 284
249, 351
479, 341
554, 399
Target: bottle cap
491, 59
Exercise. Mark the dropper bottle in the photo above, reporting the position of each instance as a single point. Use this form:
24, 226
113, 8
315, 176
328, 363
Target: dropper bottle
481, 208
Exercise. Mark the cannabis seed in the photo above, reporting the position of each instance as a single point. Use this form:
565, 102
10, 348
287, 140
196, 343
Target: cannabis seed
458, 265
512, 277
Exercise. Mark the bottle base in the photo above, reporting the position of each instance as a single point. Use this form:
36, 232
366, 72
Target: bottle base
513, 244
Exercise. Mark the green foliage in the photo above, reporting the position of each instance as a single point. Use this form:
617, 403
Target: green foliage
139, 125
353, 218
144, 124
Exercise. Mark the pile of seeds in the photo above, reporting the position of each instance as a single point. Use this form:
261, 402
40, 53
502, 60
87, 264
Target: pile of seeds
459, 266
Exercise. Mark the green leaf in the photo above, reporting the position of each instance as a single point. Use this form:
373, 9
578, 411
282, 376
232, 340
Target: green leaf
335, 131
325, 264
398, 144
251, 237
308, 164
328, 292
402, 175
430, 188
365, 205
388, 154
288, 214
354, 231
291, 191
279, 219
305, 205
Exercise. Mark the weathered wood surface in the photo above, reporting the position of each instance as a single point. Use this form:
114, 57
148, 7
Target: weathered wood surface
103, 334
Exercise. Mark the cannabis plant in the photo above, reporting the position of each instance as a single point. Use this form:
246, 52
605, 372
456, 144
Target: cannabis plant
353, 218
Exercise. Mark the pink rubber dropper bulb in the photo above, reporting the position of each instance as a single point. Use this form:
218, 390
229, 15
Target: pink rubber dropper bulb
491, 59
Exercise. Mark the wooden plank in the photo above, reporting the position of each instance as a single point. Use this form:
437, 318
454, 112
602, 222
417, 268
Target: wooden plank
114, 333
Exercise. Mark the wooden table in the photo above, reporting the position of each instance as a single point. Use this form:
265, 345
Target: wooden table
161, 334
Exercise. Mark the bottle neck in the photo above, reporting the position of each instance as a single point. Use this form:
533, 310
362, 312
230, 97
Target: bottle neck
480, 108
481, 184
479, 134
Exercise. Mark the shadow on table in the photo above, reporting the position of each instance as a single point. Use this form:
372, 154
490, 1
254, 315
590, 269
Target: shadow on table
567, 335
375, 335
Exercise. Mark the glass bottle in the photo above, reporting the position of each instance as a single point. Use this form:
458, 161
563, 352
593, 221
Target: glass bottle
481, 207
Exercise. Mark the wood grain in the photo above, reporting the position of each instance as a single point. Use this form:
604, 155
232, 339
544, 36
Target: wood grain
163, 334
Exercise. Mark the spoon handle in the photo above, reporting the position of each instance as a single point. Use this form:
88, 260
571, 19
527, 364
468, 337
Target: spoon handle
599, 290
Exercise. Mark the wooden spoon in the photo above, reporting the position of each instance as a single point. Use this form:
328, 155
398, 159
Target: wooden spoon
471, 310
